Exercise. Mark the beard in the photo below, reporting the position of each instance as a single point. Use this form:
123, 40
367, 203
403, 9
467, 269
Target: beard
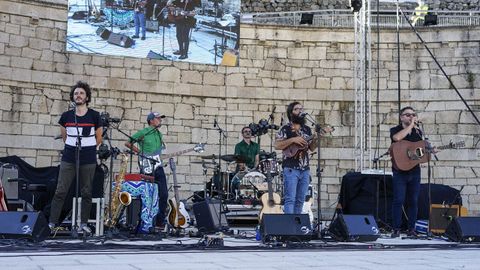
298, 120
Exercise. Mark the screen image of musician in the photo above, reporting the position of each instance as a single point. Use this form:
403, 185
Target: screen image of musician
182, 12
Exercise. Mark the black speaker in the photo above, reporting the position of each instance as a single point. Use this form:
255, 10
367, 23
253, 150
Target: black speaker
132, 213
79, 15
464, 229
307, 18
360, 228
29, 225
286, 227
151, 26
120, 40
209, 217
430, 19
103, 32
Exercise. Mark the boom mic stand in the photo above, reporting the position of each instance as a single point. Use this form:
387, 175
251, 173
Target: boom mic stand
114, 151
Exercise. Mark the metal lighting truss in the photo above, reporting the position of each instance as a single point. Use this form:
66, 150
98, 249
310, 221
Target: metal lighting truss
362, 85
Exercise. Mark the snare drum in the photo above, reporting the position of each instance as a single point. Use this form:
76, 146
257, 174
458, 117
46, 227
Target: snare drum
269, 165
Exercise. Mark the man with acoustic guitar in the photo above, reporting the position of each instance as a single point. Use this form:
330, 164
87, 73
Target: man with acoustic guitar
406, 184
150, 140
296, 171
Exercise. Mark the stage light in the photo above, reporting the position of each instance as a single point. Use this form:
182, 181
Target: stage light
355, 5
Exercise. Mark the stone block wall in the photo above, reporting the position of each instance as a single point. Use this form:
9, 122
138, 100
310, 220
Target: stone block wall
277, 65
250, 6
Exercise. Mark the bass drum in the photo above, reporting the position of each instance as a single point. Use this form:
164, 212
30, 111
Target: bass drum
269, 165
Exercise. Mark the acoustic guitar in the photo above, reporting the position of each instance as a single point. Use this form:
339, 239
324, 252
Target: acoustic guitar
294, 149
3, 204
270, 201
406, 155
178, 216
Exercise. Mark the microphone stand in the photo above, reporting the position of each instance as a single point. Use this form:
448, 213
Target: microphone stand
221, 134
271, 121
318, 129
428, 151
77, 171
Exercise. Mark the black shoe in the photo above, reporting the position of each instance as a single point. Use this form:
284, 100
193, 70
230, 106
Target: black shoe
412, 233
395, 234
183, 57
177, 52
135, 36
143, 38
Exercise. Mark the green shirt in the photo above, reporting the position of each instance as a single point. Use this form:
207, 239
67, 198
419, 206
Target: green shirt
152, 142
248, 152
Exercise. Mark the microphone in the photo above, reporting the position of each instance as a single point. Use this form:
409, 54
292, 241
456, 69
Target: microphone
57, 137
72, 105
215, 124
302, 114
114, 120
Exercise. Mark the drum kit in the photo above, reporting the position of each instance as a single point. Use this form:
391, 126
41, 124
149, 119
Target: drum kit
238, 182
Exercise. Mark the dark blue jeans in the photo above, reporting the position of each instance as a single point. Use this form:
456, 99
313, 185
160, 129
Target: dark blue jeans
139, 20
406, 187
161, 181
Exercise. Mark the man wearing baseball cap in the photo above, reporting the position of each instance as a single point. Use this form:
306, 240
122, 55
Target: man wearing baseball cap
149, 142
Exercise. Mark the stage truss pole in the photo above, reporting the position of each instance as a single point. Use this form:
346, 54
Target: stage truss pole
362, 85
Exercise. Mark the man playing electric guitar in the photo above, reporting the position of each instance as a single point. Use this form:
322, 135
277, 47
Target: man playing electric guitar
296, 171
406, 184
150, 140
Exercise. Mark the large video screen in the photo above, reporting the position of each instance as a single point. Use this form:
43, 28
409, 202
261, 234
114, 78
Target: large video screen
199, 31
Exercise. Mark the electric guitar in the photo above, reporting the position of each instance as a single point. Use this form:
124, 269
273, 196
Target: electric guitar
149, 162
270, 201
294, 149
177, 216
406, 155
176, 14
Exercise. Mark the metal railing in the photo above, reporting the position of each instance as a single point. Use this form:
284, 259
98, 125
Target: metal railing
344, 18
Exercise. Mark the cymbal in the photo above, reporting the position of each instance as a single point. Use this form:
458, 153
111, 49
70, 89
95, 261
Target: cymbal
233, 158
209, 157
203, 162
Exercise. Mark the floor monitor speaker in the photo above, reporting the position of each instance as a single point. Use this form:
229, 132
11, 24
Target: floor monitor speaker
26, 225
286, 227
464, 229
361, 228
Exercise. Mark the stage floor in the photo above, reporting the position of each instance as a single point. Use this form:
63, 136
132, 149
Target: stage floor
240, 251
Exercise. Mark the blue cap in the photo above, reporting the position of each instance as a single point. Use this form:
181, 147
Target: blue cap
154, 115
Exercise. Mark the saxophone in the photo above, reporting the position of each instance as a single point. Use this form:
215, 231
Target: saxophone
119, 199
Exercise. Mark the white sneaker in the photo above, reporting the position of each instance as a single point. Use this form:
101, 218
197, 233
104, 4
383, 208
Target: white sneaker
84, 228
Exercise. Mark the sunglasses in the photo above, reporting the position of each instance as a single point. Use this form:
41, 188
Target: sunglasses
247, 132
409, 114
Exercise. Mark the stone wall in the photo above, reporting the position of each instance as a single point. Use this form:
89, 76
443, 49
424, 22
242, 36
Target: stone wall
277, 65
249, 6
